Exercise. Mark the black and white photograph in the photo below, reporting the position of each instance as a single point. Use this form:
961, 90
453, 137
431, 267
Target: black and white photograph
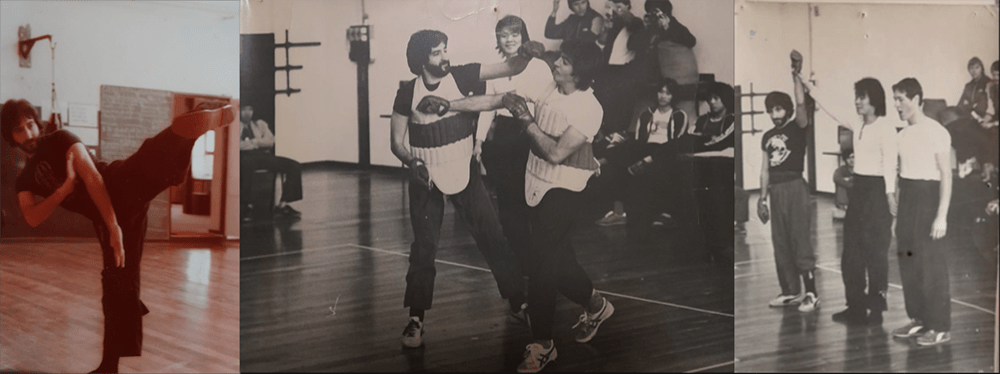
866, 195
508, 185
120, 207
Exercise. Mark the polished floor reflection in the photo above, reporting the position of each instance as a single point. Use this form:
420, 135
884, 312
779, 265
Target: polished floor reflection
770, 339
51, 319
326, 293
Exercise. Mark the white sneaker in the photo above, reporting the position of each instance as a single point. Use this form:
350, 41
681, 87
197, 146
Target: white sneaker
612, 219
536, 357
413, 332
589, 324
786, 300
809, 303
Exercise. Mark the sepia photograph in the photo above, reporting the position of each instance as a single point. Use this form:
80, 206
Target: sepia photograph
866, 168
120, 212
443, 185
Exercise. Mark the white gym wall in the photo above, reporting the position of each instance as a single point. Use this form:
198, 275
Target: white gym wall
320, 123
889, 42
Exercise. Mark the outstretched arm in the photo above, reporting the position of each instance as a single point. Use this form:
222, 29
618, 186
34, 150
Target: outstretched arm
92, 179
477, 103
801, 119
822, 102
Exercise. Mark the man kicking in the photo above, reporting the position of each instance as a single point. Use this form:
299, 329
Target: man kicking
559, 166
440, 160
116, 197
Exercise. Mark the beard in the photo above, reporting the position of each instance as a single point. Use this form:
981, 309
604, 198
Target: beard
439, 71
29, 146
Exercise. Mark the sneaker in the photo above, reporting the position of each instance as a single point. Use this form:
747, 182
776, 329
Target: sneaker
588, 325
521, 317
412, 333
612, 219
809, 303
851, 316
932, 337
786, 300
291, 212
536, 357
665, 221
914, 328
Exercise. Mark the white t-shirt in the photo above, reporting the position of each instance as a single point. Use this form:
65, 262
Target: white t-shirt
581, 109
919, 144
660, 131
875, 150
620, 54
535, 76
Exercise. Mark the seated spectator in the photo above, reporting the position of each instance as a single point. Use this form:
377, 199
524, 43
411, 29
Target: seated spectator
843, 178
974, 100
257, 153
664, 180
990, 120
654, 126
584, 23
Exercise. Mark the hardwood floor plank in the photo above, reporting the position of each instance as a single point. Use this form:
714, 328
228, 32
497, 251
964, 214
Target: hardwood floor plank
350, 250
772, 339
51, 319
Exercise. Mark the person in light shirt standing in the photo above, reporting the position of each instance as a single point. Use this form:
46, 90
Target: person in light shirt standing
868, 222
924, 197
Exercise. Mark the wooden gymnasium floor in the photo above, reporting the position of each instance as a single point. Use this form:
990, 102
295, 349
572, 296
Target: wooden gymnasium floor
326, 293
51, 319
770, 339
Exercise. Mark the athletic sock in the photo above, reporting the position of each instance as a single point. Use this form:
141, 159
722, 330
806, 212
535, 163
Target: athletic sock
810, 281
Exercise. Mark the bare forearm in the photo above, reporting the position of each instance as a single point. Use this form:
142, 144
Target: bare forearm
765, 179
477, 103
541, 144
99, 194
38, 213
944, 200
800, 100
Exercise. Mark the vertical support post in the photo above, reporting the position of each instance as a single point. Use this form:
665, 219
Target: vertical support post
364, 133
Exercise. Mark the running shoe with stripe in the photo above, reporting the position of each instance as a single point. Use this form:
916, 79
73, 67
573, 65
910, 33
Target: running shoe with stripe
413, 332
588, 324
914, 328
932, 337
536, 357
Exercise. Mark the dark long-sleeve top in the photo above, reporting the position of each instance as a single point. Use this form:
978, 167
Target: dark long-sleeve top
974, 97
573, 28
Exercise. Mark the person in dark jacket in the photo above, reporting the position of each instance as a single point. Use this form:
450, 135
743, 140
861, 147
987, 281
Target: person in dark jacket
584, 23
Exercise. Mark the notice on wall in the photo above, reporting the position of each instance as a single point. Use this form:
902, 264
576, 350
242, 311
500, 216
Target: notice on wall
83, 115
83, 123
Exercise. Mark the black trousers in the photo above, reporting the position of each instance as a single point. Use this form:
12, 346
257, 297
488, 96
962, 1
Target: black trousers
867, 235
505, 158
923, 261
291, 187
162, 161
554, 268
476, 209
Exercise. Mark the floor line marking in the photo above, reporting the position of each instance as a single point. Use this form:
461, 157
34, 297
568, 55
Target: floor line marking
959, 302
712, 367
605, 292
304, 250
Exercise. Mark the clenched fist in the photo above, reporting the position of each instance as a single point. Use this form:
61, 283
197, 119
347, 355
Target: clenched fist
431, 104
518, 107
